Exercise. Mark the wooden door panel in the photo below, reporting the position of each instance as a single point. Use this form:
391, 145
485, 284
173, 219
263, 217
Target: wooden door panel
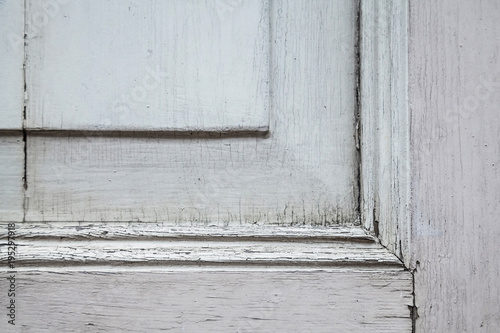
304, 170
187, 181
247, 214
11, 177
11, 64
149, 65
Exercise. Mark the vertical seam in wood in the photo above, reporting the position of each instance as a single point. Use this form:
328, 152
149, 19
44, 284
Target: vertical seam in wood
357, 110
413, 308
25, 98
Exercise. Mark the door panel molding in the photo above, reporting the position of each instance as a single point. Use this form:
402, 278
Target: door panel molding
66, 244
385, 124
91, 276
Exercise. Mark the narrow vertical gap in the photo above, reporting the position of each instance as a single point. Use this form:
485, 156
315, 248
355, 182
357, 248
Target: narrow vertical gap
357, 108
375, 222
25, 97
25, 181
413, 308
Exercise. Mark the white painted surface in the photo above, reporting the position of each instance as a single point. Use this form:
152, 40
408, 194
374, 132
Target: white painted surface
304, 172
218, 300
385, 124
147, 277
11, 176
131, 230
11, 64
111, 244
149, 65
454, 100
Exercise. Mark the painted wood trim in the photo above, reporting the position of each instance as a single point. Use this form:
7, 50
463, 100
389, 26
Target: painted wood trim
210, 279
385, 160
49, 245
38, 253
143, 231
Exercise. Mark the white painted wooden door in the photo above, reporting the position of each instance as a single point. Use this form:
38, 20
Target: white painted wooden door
189, 166
253, 105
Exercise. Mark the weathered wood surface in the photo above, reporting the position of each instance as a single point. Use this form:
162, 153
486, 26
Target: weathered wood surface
304, 172
11, 64
108, 244
385, 124
203, 253
149, 65
119, 278
11, 176
137, 230
106, 277
218, 300
454, 98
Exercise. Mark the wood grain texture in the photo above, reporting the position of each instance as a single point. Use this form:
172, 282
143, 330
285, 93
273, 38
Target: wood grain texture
454, 98
11, 66
149, 65
304, 172
11, 176
219, 300
385, 125
144, 231
208, 252
108, 244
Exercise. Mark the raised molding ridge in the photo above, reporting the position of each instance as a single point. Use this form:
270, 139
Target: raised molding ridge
115, 244
385, 161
